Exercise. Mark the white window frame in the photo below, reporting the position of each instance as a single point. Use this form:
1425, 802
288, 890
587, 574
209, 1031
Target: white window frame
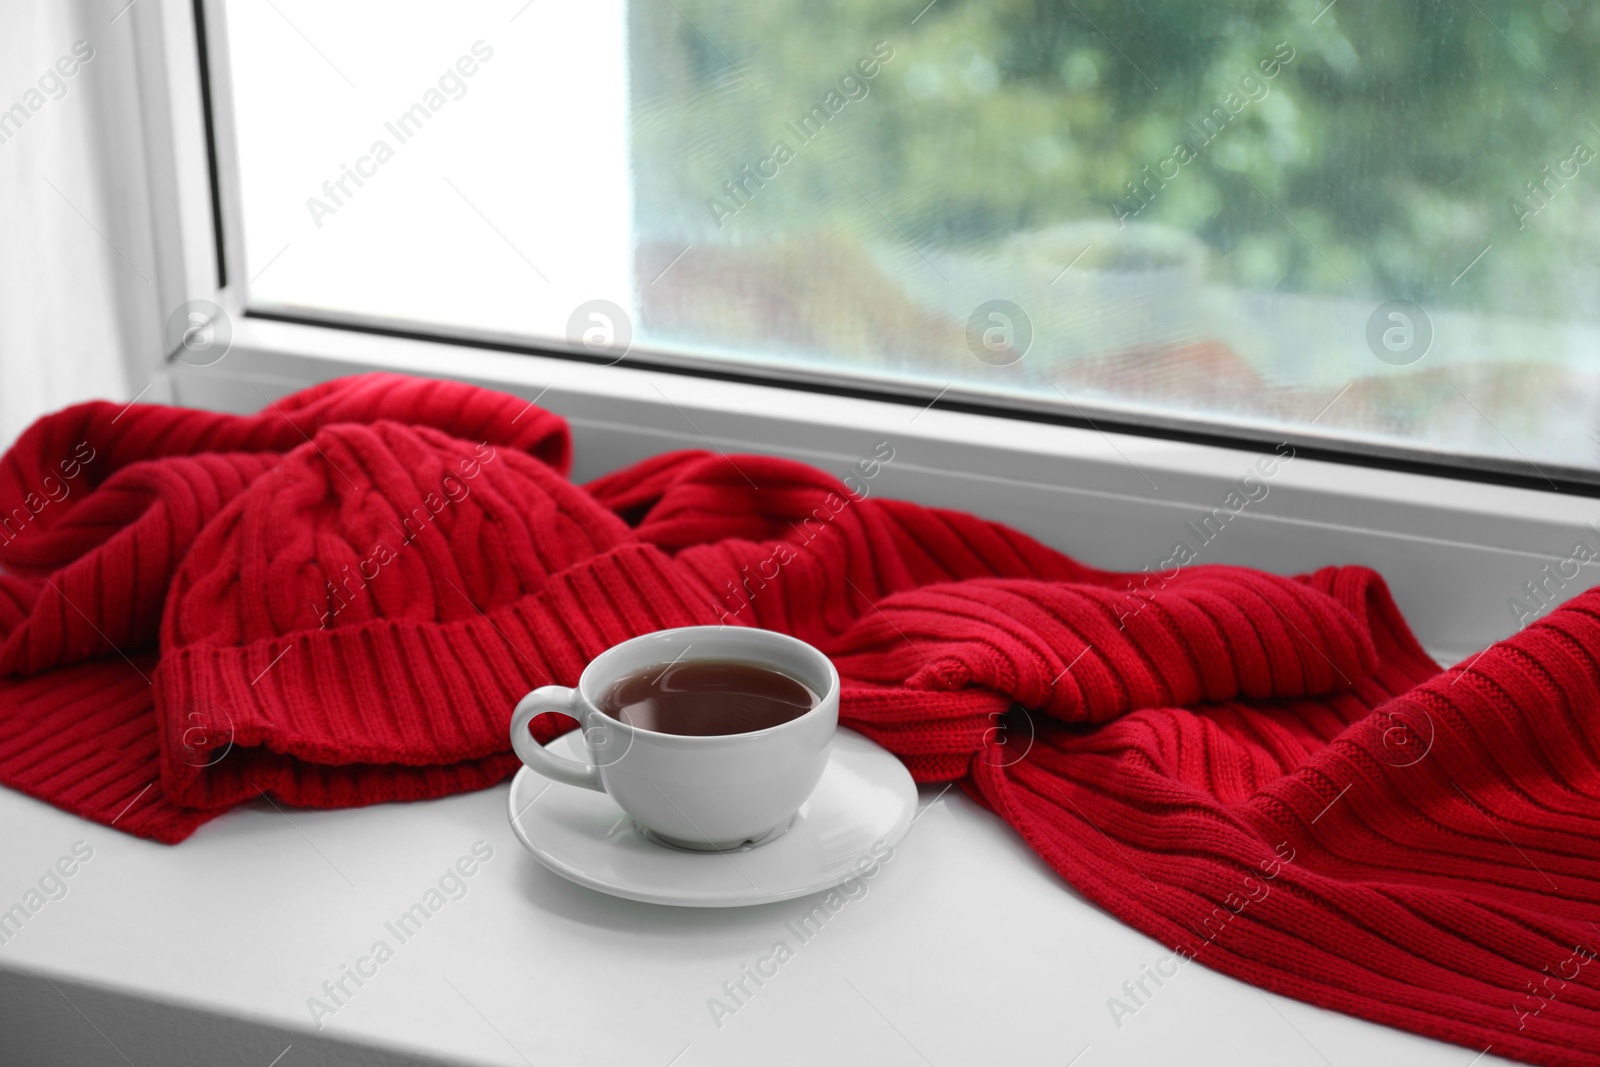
1455, 552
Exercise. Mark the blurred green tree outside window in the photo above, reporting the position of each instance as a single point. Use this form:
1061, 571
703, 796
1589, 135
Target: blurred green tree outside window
1374, 222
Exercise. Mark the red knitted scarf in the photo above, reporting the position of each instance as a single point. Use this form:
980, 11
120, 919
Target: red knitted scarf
337, 601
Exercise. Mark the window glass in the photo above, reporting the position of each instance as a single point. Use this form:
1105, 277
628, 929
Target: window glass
1376, 224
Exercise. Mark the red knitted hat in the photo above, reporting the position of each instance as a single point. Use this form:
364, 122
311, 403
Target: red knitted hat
99, 505
354, 607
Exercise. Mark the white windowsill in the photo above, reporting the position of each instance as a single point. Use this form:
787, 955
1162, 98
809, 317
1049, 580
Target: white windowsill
964, 942
221, 940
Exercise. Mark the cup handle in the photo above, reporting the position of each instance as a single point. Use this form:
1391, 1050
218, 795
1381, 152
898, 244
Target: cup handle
551, 698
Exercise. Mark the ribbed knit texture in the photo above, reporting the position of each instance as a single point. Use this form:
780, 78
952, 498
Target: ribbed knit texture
338, 600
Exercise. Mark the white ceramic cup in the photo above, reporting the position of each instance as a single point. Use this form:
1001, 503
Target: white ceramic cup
702, 793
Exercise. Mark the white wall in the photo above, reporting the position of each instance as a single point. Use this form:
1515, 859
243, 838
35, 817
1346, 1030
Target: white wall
63, 287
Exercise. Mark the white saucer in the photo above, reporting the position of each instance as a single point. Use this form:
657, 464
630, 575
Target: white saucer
865, 801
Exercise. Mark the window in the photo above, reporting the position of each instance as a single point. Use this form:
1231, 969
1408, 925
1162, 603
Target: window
1373, 227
